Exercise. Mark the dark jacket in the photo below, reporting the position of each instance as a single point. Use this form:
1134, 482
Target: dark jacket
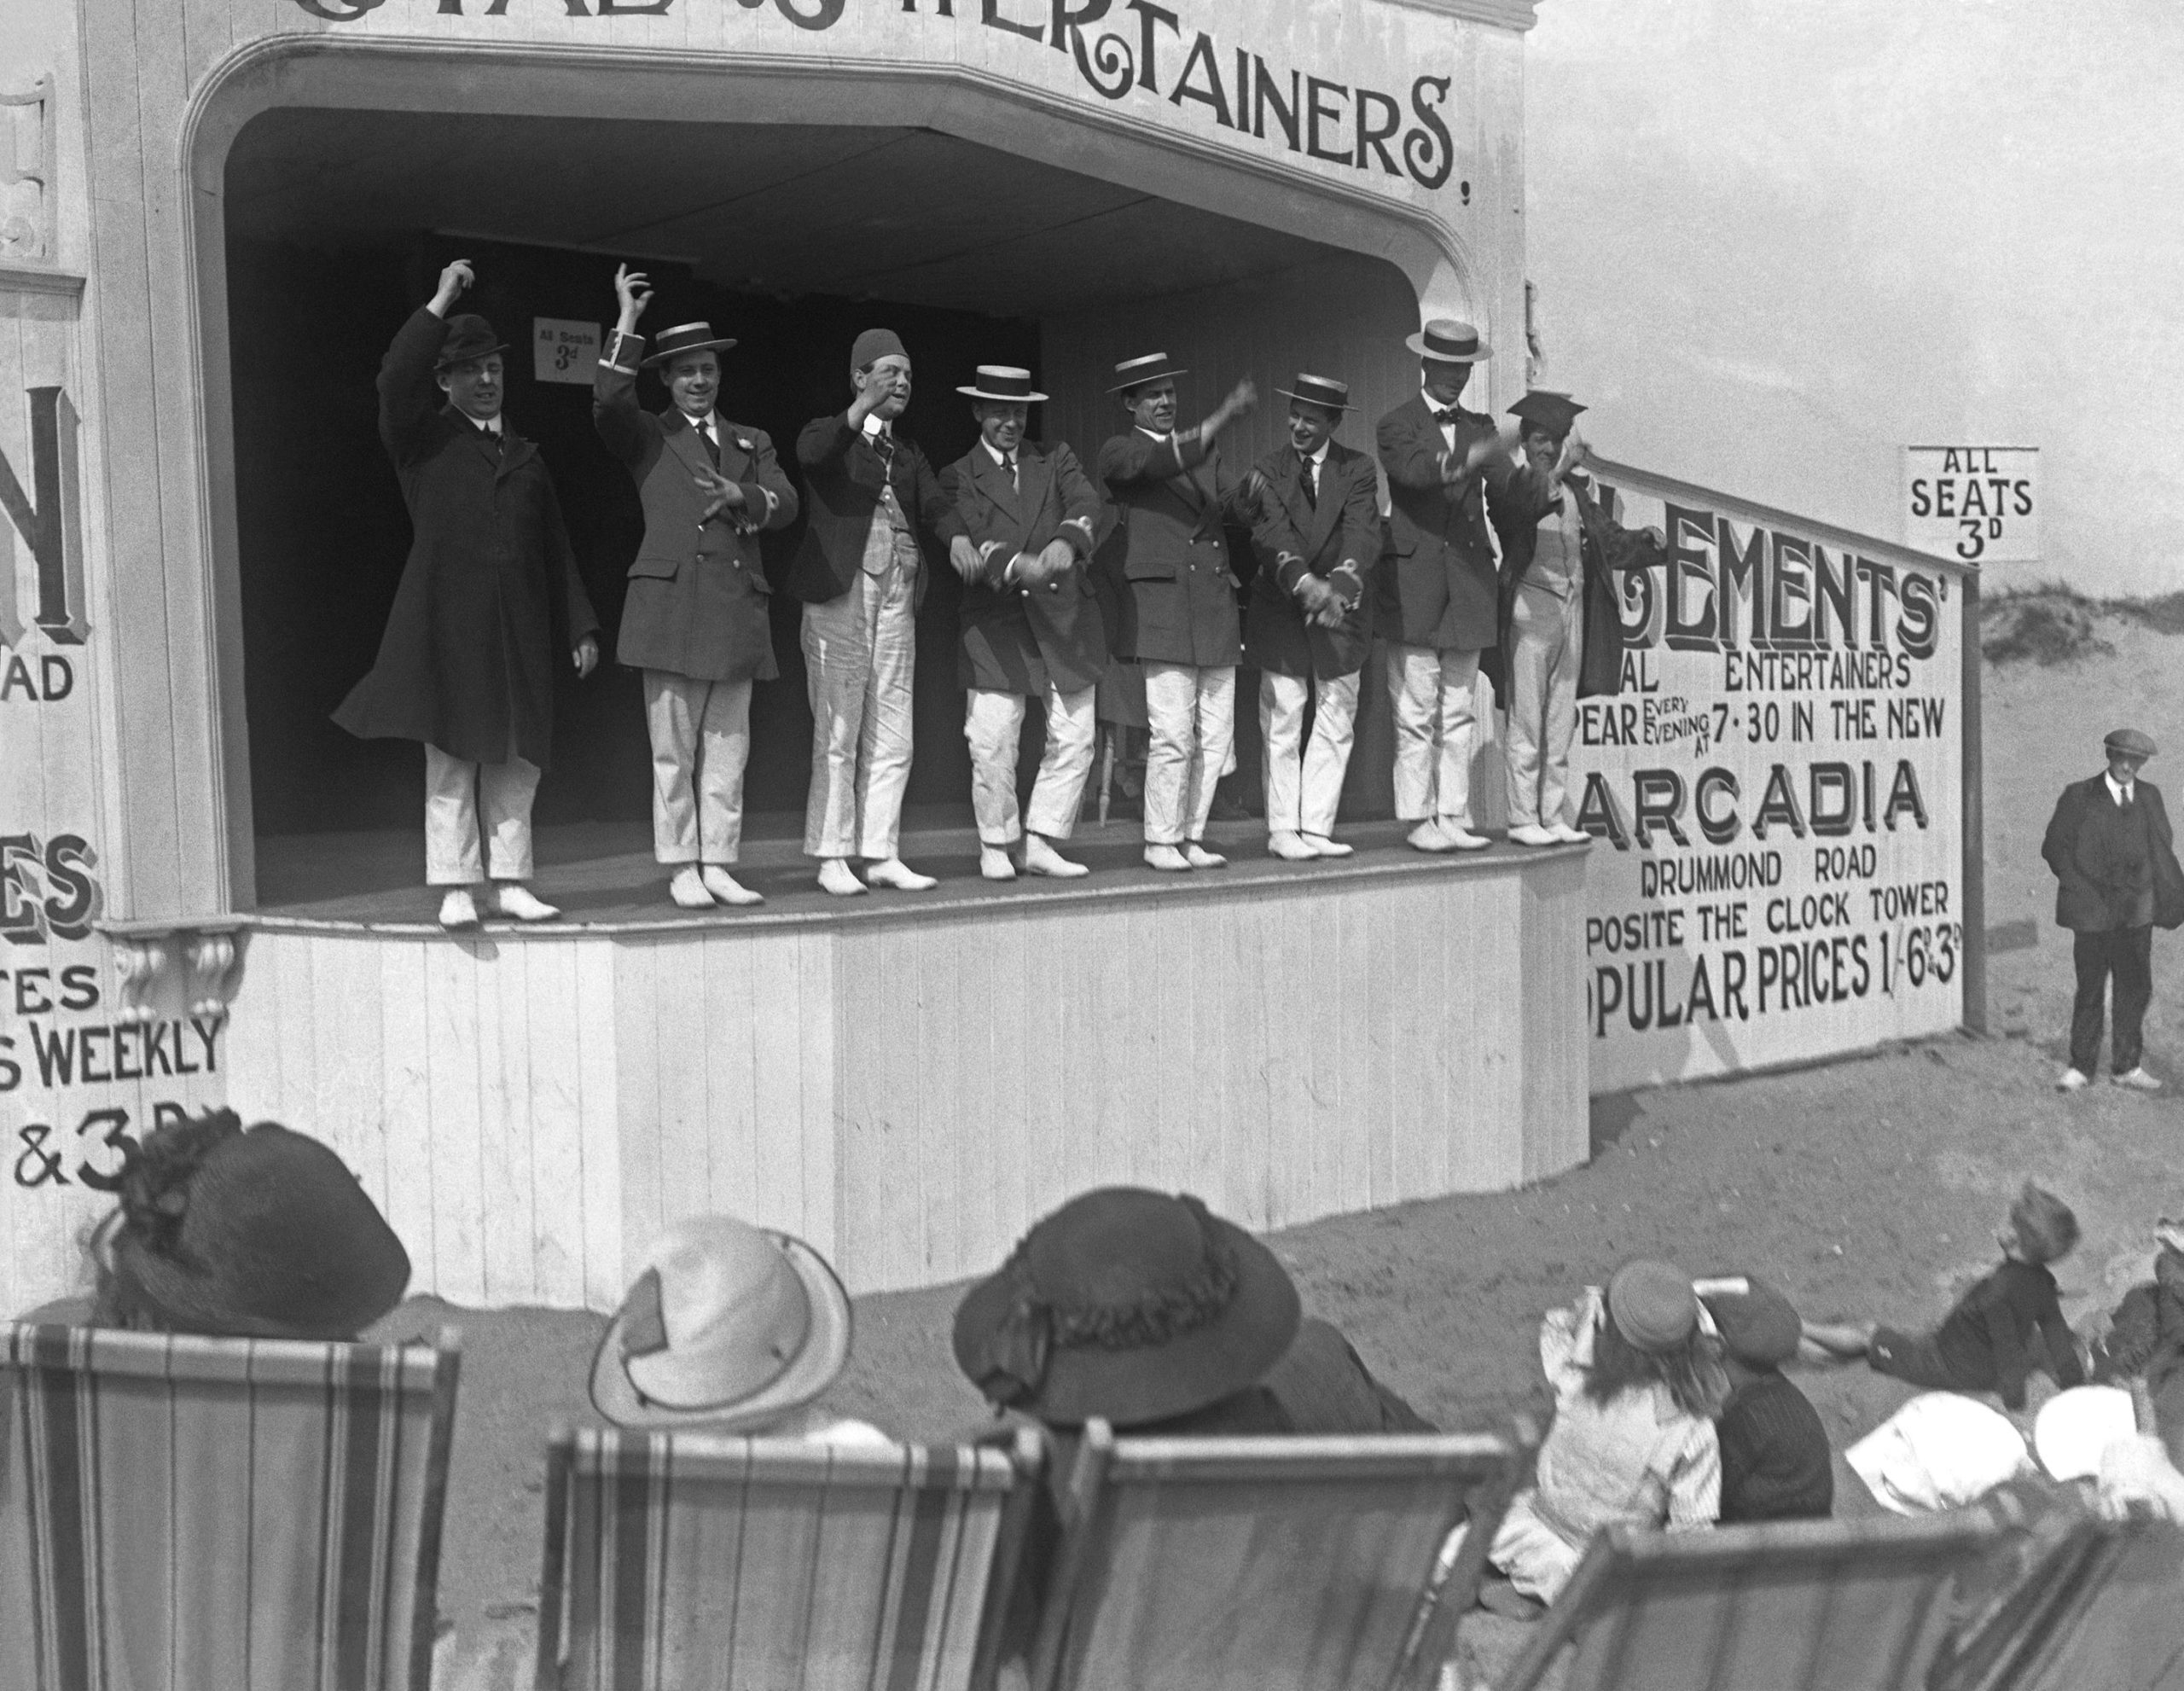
2145, 1341
1775, 1464
698, 591
1608, 549
490, 605
1019, 639
2005, 1327
1443, 590
843, 475
1338, 539
1177, 602
2113, 868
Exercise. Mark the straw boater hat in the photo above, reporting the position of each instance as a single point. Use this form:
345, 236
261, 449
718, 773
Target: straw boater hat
1129, 1305
469, 337
1151, 367
1004, 382
697, 337
1319, 390
726, 1326
1450, 340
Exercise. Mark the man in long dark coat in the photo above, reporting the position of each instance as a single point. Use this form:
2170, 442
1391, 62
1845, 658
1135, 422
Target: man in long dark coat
2116, 877
488, 600
1317, 538
695, 621
1030, 624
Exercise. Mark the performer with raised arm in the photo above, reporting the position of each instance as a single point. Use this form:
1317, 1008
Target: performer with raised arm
489, 600
1436, 603
860, 574
695, 621
1178, 607
1317, 537
1030, 624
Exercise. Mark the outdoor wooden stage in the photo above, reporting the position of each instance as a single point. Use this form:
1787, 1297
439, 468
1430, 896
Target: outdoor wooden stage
907, 1080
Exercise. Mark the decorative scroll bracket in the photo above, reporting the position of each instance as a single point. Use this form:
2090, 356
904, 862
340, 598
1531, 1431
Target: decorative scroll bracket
27, 135
177, 968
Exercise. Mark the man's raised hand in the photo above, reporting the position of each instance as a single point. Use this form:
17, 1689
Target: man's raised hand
454, 280
634, 289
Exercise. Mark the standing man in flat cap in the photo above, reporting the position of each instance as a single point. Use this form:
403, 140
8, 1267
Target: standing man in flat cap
695, 621
2116, 875
489, 602
1178, 604
1030, 624
861, 576
1561, 636
1318, 536
1439, 604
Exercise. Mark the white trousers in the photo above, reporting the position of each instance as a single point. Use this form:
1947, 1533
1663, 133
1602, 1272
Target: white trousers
458, 792
992, 723
860, 654
1303, 782
1431, 693
701, 741
1192, 713
1546, 645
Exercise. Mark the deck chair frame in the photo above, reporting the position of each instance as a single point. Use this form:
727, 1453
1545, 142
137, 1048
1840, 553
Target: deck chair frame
2011, 1638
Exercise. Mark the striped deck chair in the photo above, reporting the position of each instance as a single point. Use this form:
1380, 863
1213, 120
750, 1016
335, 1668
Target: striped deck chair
1786, 1605
1265, 1564
683, 1559
181, 1513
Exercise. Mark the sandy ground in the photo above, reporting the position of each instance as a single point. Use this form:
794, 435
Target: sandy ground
1870, 1187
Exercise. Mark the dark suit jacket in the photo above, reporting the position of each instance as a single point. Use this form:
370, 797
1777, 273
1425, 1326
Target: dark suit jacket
490, 604
1336, 540
697, 591
843, 475
1178, 600
2096, 887
1608, 549
1444, 591
1019, 639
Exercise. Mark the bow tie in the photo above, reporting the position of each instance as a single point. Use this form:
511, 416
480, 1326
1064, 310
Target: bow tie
1444, 418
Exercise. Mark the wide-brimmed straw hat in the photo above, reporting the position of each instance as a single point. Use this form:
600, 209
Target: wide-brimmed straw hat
469, 337
1319, 390
2074, 1428
1149, 367
726, 1326
698, 337
1130, 1306
1003, 382
1451, 340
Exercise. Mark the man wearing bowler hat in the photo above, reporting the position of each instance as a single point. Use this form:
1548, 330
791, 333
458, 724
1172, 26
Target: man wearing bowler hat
1317, 538
1031, 625
488, 601
1436, 599
2116, 875
1178, 606
695, 621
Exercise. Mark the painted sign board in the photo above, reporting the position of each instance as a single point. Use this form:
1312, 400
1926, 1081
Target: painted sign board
563, 351
1978, 504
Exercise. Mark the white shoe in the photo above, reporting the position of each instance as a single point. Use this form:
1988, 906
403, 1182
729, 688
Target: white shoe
1040, 858
1531, 834
895, 873
2073, 1080
1199, 859
458, 910
1322, 847
514, 899
1289, 847
727, 889
687, 889
837, 877
993, 864
1567, 835
1165, 858
1463, 840
1430, 836
2137, 1079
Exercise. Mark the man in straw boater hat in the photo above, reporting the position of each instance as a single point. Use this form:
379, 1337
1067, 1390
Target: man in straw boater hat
861, 575
1561, 634
488, 601
695, 621
1436, 599
2116, 875
1178, 603
1318, 536
1030, 624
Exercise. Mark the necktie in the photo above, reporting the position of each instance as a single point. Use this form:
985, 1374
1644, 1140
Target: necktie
713, 442
494, 437
1311, 483
2125, 801
1013, 482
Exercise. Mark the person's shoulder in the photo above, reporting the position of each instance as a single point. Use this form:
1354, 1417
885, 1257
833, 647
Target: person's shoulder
748, 436
1412, 410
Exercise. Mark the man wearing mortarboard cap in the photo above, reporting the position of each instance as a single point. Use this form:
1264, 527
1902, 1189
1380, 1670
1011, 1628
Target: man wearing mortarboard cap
1561, 634
2116, 875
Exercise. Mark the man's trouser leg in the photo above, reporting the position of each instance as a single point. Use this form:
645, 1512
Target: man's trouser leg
1282, 699
837, 642
2131, 962
1065, 761
1214, 708
2090, 953
1415, 701
464, 800
884, 749
1327, 758
991, 724
700, 733
1452, 772
1171, 716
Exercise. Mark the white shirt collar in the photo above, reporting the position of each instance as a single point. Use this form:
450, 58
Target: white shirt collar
490, 425
875, 426
2116, 791
1319, 457
1434, 405
995, 454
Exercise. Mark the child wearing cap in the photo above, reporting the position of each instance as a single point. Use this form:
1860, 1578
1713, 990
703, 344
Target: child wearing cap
1775, 1464
2143, 1336
2004, 1329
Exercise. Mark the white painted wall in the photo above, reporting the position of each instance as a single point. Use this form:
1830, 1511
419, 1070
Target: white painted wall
1775, 240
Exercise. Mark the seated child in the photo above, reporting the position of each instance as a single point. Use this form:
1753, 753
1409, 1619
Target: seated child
1987, 1342
2144, 1339
1774, 1455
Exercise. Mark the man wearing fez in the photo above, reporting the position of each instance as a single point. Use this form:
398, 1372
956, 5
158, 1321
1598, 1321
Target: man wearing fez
860, 574
1435, 602
2116, 874
1560, 632
1030, 624
489, 600
1318, 533
695, 621
1177, 611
